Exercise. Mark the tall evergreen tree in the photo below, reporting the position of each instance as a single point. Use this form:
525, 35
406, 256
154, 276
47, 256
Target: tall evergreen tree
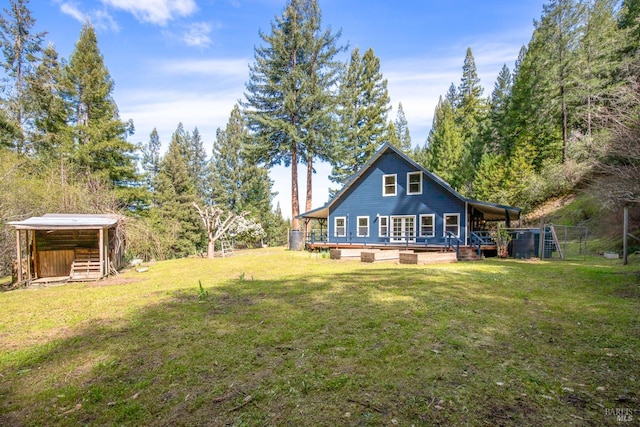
499, 107
197, 164
553, 46
99, 136
446, 145
597, 62
49, 133
471, 113
174, 217
363, 125
286, 96
237, 183
151, 159
20, 48
401, 128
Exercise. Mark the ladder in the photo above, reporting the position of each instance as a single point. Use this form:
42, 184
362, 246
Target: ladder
227, 247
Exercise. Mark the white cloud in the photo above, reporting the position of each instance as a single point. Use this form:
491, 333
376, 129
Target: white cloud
72, 10
238, 68
157, 12
197, 34
100, 19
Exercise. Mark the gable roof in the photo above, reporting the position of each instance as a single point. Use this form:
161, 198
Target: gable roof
491, 211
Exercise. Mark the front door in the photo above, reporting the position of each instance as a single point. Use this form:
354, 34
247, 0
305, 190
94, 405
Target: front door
403, 229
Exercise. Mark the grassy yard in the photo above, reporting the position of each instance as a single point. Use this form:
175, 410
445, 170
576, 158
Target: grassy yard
274, 337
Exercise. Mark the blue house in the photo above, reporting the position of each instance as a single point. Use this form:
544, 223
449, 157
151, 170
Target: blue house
393, 201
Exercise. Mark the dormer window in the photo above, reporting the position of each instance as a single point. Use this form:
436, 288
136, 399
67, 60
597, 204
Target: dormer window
389, 185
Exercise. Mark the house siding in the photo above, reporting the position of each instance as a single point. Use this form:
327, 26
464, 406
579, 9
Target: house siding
365, 198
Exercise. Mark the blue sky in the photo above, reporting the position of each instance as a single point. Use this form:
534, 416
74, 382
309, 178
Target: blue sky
187, 60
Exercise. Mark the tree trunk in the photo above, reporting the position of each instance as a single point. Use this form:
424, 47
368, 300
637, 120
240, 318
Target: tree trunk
211, 247
295, 203
309, 202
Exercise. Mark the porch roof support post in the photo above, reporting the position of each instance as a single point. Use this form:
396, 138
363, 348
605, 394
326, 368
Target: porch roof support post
507, 219
19, 255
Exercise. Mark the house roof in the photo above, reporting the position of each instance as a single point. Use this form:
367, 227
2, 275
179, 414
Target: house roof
66, 222
491, 211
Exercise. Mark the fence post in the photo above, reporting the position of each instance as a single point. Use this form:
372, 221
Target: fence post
541, 240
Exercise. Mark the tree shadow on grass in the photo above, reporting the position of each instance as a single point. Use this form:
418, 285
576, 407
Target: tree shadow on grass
366, 347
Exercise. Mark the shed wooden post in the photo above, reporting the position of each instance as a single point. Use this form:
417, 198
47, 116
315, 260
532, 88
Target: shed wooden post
101, 246
27, 238
19, 255
35, 255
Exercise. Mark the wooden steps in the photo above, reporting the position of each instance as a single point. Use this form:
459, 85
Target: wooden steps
469, 254
86, 265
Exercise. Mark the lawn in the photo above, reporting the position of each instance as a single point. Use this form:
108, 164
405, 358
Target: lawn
273, 337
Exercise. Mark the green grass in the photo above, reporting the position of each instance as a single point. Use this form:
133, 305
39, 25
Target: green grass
272, 337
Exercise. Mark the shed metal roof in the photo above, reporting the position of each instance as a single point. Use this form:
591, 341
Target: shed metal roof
66, 222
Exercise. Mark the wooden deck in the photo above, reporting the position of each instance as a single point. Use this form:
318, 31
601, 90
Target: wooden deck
317, 246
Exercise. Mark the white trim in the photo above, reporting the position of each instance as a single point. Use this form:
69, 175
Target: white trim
467, 226
403, 230
395, 185
433, 225
335, 226
358, 226
444, 223
409, 174
386, 225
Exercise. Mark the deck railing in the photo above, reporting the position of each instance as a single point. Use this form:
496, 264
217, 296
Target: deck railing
451, 240
480, 238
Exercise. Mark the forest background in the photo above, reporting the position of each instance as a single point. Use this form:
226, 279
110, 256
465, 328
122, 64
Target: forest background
566, 119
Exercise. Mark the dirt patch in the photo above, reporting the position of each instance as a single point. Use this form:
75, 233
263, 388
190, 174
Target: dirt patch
113, 281
547, 208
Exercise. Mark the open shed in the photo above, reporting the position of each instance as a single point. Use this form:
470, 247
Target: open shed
58, 247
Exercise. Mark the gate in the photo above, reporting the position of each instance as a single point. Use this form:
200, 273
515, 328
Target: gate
564, 242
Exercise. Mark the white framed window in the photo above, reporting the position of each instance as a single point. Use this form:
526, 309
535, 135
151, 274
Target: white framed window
427, 225
363, 226
414, 183
389, 185
403, 228
383, 226
340, 226
452, 224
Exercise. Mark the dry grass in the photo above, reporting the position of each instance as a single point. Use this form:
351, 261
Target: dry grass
286, 338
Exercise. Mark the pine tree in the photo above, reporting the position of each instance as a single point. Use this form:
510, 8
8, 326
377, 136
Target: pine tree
151, 159
446, 146
238, 184
98, 134
364, 104
21, 48
498, 142
597, 62
173, 214
553, 47
401, 128
471, 113
286, 99
49, 133
197, 164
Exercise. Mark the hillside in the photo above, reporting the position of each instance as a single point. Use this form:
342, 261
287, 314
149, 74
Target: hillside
584, 210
